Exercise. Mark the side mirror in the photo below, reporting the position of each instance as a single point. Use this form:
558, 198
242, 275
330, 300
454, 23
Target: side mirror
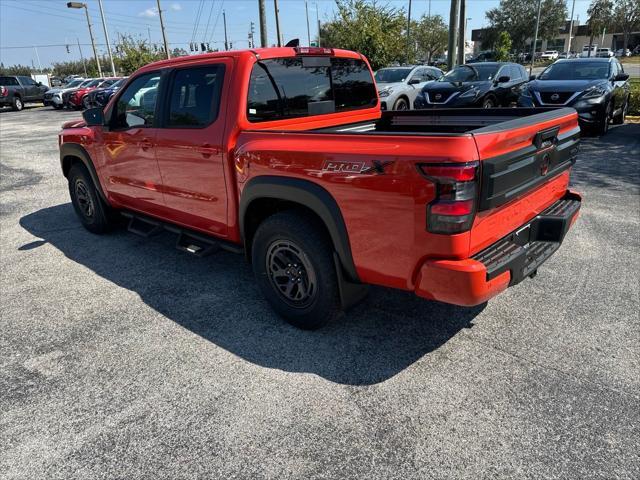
94, 117
621, 77
39, 84
504, 79
414, 81
532, 77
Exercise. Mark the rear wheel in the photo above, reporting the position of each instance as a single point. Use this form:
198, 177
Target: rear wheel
293, 265
92, 211
401, 104
18, 104
85, 102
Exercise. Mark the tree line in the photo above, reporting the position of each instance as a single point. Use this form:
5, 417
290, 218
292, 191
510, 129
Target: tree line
379, 31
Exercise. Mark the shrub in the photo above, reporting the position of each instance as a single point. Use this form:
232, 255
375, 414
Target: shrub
634, 100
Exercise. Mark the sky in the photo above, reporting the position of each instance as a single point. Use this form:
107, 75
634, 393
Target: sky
36, 31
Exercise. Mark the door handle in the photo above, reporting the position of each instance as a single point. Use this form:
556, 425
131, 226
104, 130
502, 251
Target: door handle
145, 144
207, 150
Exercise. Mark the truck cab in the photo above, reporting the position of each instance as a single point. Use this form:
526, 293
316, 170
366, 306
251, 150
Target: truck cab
283, 154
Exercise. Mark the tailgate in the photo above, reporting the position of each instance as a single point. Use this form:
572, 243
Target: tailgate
525, 165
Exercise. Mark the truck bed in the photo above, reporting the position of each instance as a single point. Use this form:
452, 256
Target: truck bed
449, 121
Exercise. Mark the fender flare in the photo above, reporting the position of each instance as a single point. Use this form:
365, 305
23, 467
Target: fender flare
78, 151
310, 195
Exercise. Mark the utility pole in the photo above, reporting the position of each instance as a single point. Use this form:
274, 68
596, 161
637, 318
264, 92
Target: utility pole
38, 58
164, 34
461, 32
82, 57
409, 32
251, 36
306, 9
275, 4
318, 19
535, 38
429, 14
93, 43
106, 36
263, 24
573, 7
224, 21
453, 33
149, 33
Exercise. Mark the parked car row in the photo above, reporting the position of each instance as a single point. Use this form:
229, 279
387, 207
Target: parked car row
596, 87
83, 93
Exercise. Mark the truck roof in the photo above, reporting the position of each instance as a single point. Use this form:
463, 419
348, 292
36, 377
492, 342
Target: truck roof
262, 53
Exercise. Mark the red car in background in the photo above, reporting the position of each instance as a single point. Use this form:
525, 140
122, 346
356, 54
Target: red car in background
79, 98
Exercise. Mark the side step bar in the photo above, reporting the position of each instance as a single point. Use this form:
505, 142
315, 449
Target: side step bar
188, 241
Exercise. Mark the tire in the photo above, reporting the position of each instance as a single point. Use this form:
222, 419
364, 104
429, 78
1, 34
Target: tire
603, 127
619, 119
56, 107
292, 259
488, 102
401, 104
17, 104
85, 102
93, 213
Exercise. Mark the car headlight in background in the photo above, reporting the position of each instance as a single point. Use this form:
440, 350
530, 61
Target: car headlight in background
471, 93
385, 93
594, 92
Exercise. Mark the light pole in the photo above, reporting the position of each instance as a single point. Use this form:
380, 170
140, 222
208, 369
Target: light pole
93, 43
306, 9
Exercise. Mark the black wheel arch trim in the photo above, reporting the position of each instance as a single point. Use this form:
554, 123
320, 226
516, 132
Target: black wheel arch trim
78, 151
310, 195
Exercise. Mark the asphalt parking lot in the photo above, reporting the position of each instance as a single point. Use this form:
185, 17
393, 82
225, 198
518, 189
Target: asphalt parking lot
125, 358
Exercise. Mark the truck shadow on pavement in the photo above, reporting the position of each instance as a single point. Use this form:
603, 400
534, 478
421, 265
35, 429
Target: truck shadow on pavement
217, 299
609, 161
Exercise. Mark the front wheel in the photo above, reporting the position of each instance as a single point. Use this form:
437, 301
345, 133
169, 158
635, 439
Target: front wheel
92, 211
603, 126
488, 102
621, 117
293, 264
401, 104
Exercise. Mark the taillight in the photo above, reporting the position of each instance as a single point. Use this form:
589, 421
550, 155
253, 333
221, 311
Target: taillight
454, 207
4, 92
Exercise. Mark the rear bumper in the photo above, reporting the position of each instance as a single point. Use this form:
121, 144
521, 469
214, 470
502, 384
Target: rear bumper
507, 262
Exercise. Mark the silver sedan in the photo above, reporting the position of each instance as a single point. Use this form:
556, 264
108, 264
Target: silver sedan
399, 86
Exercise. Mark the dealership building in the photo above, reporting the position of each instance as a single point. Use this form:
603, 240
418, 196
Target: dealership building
560, 42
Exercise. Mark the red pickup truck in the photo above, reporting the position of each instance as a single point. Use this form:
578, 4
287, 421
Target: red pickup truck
284, 155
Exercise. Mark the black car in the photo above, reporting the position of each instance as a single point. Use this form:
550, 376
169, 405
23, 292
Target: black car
487, 84
101, 96
597, 88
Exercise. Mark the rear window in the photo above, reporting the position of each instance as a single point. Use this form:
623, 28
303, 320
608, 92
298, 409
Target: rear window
195, 96
301, 86
8, 81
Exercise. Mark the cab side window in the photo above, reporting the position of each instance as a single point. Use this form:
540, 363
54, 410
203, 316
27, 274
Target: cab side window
195, 97
136, 107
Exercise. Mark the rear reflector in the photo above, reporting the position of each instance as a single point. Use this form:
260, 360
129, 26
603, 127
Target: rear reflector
313, 51
453, 209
